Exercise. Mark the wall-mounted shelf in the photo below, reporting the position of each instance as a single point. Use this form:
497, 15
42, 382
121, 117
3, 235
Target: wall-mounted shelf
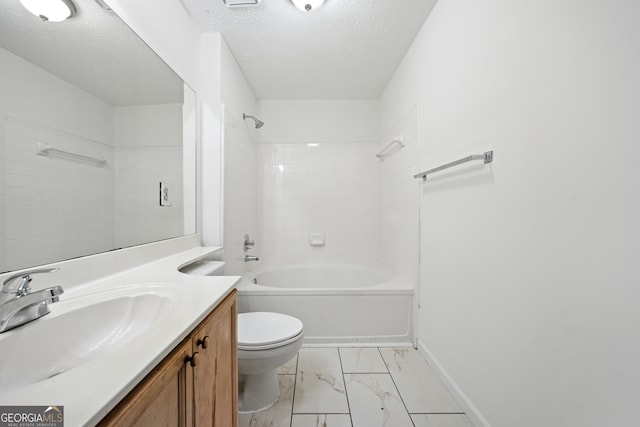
396, 144
45, 150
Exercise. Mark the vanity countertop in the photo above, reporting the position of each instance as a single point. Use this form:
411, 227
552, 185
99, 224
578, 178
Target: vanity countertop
90, 390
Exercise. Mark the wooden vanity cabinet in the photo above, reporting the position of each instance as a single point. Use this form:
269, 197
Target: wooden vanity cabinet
195, 386
215, 381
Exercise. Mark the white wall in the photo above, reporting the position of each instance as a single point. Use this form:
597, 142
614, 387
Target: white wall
158, 125
31, 93
528, 265
327, 188
196, 59
178, 43
190, 157
294, 121
398, 201
240, 165
52, 208
210, 95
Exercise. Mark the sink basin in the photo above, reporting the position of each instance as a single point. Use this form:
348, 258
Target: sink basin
80, 330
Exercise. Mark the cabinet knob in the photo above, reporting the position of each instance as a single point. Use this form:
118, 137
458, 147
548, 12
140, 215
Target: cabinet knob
193, 359
203, 342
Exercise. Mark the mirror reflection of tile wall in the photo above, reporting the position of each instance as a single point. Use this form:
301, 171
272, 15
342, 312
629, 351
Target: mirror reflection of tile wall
145, 155
53, 208
132, 116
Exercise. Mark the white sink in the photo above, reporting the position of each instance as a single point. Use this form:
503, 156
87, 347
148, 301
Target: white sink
80, 329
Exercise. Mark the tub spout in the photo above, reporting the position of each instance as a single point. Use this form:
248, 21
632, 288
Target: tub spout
248, 258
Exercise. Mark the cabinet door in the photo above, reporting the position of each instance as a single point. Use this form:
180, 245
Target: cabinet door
161, 398
216, 375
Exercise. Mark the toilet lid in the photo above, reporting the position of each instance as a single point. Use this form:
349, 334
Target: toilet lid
263, 328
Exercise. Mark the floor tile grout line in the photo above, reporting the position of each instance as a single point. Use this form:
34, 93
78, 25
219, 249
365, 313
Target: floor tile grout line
321, 413
295, 382
383, 360
346, 393
437, 413
349, 413
372, 372
397, 389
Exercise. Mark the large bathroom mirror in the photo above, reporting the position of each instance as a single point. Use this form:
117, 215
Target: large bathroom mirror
94, 131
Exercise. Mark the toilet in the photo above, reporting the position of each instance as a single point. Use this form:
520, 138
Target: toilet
265, 342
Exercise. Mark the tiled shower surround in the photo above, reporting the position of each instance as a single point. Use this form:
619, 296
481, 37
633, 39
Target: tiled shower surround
322, 188
241, 202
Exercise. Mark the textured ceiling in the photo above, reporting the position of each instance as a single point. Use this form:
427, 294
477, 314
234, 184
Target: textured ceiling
94, 50
348, 49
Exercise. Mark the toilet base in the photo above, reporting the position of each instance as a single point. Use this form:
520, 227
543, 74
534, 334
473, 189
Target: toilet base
260, 392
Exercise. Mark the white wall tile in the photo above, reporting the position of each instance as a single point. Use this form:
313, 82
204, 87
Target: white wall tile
241, 193
54, 208
329, 189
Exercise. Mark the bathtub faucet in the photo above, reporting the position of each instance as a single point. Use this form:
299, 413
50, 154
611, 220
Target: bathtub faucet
248, 258
248, 243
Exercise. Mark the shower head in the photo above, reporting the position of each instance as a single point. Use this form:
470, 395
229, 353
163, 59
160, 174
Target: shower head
259, 123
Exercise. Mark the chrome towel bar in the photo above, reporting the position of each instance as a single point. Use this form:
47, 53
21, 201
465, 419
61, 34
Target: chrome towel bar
486, 157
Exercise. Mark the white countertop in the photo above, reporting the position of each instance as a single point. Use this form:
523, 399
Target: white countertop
89, 391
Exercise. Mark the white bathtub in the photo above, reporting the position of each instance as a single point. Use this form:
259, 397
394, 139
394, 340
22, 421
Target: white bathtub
338, 304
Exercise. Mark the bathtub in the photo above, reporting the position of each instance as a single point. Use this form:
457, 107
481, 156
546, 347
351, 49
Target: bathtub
338, 304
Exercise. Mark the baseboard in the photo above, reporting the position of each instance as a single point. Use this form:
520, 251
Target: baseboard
354, 343
470, 409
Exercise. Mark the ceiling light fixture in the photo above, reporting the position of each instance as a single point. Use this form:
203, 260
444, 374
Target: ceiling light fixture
51, 10
307, 5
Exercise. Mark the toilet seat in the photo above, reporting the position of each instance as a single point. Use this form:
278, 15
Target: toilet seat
269, 346
264, 330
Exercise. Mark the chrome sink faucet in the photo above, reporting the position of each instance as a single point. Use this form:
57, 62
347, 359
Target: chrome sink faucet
18, 305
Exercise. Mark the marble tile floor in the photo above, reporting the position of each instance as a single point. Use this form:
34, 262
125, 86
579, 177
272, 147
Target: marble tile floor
359, 387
